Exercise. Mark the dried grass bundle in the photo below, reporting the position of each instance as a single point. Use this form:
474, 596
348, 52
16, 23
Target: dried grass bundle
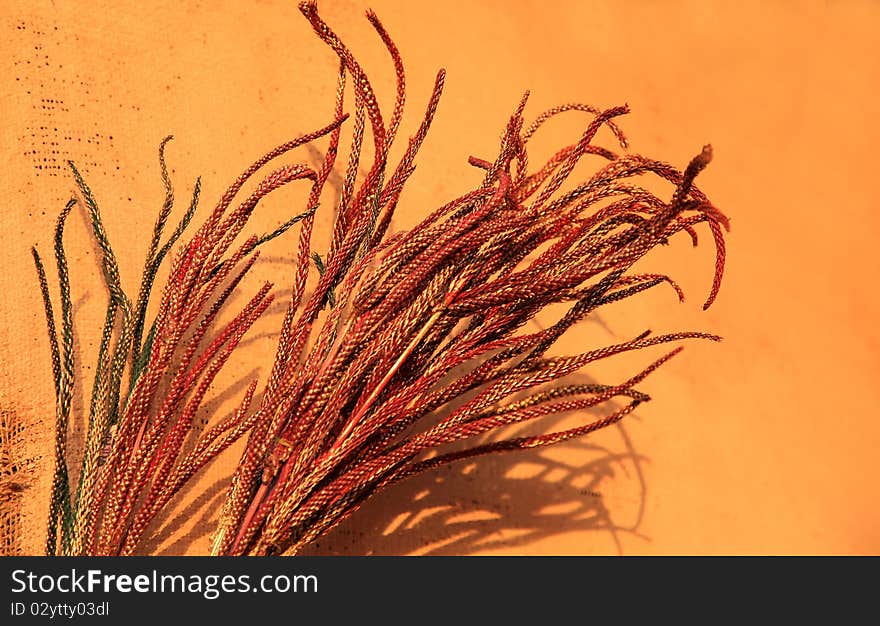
421, 342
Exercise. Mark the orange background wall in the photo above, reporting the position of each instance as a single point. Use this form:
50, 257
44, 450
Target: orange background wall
766, 443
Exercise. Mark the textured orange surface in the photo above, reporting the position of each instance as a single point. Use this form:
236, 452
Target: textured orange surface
766, 443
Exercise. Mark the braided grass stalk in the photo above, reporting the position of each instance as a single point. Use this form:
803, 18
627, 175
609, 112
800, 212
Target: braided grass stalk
422, 340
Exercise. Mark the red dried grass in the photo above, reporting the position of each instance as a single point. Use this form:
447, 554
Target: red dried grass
423, 343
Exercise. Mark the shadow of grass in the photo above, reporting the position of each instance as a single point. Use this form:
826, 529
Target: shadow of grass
502, 502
